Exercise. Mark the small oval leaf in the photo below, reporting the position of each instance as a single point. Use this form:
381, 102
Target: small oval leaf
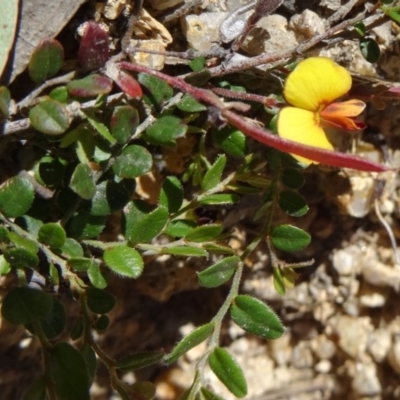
23, 305
124, 261
46, 60
16, 196
52, 234
204, 233
194, 338
100, 301
213, 176
256, 317
82, 182
218, 273
228, 371
289, 238
68, 373
133, 162
49, 117
292, 203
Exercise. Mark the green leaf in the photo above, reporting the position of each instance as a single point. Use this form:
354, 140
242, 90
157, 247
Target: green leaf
190, 105
81, 264
289, 238
208, 395
213, 176
4, 234
95, 276
218, 273
160, 92
216, 199
171, 196
142, 225
124, 121
204, 233
279, 284
21, 258
68, 373
52, 234
25, 243
180, 227
124, 261
133, 162
99, 301
49, 171
231, 141
100, 127
90, 359
16, 196
292, 178
46, 60
86, 226
8, 23
82, 182
256, 317
370, 50
90, 86
60, 93
53, 323
197, 64
194, 338
22, 305
188, 251
5, 267
165, 130
228, 371
292, 203
140, 360
392, 12
360, 28
77, 329
49, 117
71, 248
110, 196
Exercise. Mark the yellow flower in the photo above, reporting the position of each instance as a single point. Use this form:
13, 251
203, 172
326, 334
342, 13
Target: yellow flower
311, 89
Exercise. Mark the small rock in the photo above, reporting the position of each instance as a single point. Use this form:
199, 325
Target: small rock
306, 25
271, 34
323, 348
372, 297
202, 30
345, 260
153, 61
379, 343
333, 5
302, 356
280, 350
323, 367
365, 380
353, 333
113, 8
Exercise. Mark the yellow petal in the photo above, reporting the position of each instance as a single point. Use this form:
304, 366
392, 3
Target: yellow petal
315, 83
302, 126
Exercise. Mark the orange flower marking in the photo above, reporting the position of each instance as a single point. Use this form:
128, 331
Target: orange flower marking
311, 90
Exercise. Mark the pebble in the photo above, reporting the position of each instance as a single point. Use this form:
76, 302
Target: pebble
271, 34
306, 25
365, 380
379, 343
202, 30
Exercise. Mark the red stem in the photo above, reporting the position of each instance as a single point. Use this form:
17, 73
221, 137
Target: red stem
327, 157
